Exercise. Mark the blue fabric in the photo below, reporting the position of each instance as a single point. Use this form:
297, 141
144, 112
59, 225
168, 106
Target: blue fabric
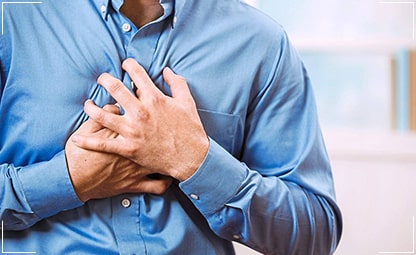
266, 181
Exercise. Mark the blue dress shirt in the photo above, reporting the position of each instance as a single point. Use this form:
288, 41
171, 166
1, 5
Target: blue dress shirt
266, 181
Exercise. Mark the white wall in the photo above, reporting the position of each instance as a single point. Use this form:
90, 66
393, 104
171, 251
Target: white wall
348, 22
375, 178
252, 2
375, 181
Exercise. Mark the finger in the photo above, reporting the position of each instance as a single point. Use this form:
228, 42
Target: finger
104, 118
141, 79
118, 91
112, 108
177, 84
153, 186
91, 126
100, 144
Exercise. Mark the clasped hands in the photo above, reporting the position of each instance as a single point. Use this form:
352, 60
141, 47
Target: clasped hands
111, 154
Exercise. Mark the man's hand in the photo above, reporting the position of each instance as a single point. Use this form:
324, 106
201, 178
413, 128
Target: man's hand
97, 175
161, 133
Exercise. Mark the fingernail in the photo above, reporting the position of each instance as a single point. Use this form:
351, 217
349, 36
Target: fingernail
101, 79
88, 101
168, 69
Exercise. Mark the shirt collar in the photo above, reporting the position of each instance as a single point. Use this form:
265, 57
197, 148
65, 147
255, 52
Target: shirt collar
104, 5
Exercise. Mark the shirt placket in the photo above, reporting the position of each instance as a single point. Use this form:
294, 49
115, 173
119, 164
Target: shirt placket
139, 44
126, 224
126, 207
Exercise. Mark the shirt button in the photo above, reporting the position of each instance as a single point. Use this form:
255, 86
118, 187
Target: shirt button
125, 203
174, 20
194, 196
236, 237
126, 27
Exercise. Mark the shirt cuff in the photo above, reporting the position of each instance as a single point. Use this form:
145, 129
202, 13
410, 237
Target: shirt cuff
48, 187
216, 181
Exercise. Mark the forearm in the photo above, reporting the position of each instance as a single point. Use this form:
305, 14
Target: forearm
281, 218
32, 193
270, 214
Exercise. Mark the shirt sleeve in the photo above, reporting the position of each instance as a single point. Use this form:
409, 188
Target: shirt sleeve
32, 193
1, 73
278, 198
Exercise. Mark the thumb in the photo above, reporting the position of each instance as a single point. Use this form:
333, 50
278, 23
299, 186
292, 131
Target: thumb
177, 84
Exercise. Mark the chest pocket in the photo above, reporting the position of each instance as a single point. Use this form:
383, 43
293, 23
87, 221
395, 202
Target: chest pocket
223, 128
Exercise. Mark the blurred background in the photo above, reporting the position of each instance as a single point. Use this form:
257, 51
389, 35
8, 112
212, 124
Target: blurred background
361, 56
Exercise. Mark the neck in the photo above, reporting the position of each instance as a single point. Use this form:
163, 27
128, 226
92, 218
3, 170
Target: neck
141, 12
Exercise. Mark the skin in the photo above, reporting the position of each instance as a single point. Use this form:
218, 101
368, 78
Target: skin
98, 175
141, 12
156, 134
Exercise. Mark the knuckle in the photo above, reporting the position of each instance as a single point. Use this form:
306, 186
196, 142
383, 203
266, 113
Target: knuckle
115, 85
137, 71
101, 145
155, 101
141, 115
130, 151
99, 116
131, 132
109, 82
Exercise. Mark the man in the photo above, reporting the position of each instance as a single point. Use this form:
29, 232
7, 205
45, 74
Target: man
231, 152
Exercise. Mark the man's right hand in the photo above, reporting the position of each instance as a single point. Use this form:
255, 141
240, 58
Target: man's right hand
96, 175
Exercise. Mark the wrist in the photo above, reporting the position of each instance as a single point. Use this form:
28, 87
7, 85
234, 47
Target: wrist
198, 156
